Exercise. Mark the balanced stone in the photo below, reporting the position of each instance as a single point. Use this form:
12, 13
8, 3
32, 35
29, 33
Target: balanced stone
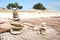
16, 19
16, 23
15, 16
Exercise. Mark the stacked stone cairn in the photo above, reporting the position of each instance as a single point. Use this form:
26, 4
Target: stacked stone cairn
43, 28
16, 23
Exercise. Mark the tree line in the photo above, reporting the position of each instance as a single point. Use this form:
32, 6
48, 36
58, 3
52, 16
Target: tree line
37, 6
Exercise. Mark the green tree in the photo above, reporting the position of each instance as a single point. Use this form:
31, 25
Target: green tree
39, 6
19, 7
14, 5
8, 7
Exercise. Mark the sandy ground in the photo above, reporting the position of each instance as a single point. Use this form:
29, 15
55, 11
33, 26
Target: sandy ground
54, 33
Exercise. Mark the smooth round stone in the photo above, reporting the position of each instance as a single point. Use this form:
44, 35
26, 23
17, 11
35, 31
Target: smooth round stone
17, 24
16, 31
36, 27
16, 19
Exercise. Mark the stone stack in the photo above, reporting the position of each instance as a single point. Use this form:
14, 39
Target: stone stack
16, 23
43, 28
15, 15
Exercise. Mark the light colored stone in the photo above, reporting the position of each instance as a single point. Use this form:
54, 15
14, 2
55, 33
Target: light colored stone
36, 28
16, 19
17, 24
28, 25
44, 24
12, 31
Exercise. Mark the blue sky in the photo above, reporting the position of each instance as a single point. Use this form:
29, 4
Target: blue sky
53, 5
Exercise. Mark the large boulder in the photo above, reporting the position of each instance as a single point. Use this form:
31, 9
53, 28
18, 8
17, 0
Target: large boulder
2, 21
5, 27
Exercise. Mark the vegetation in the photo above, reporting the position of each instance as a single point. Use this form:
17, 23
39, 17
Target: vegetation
15, 5
39, 6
